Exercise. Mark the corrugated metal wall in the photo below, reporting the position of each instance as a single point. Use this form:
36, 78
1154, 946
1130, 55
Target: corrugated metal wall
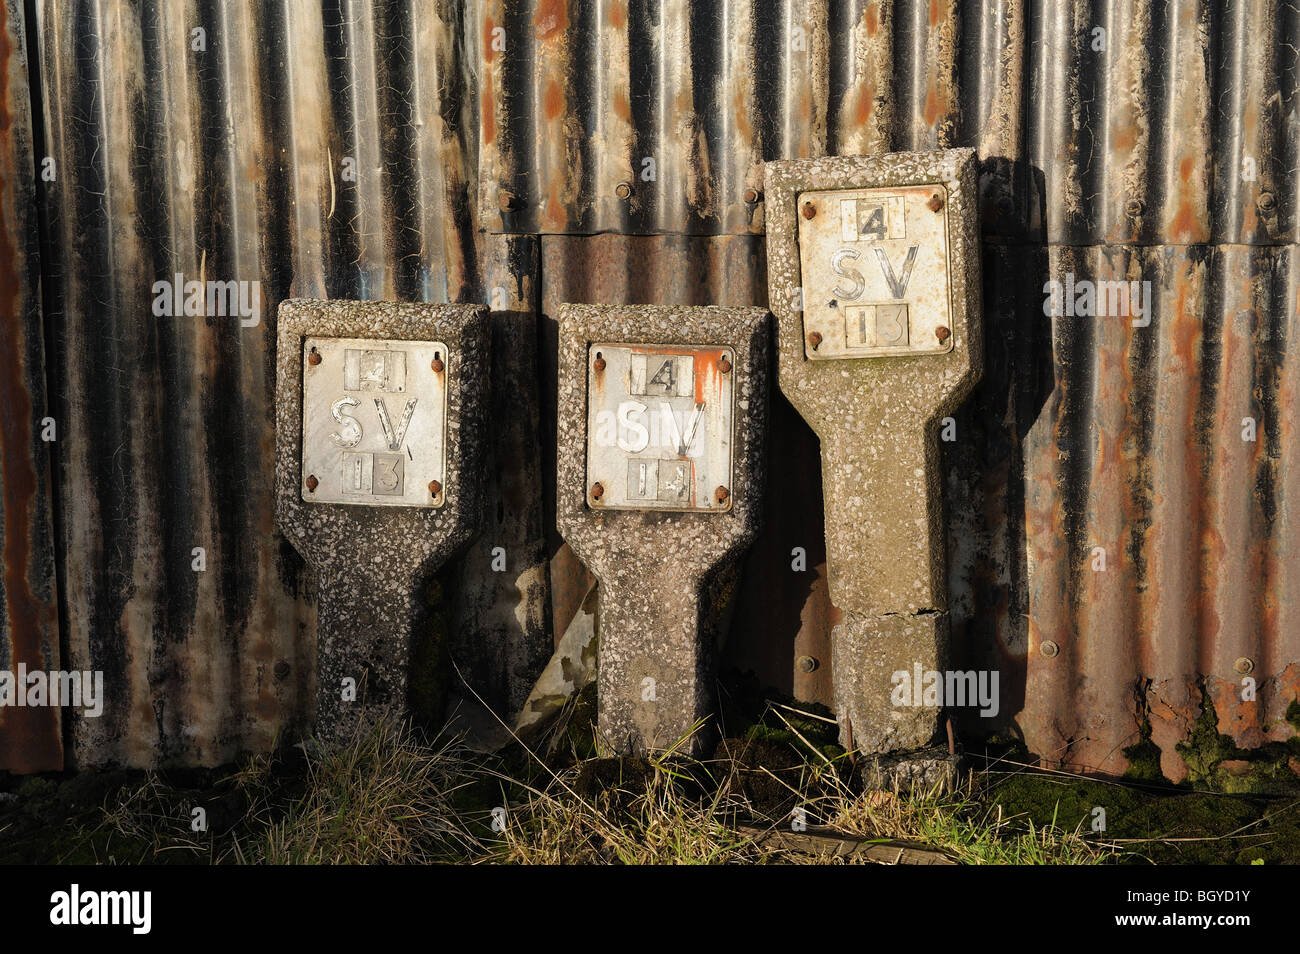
410, 149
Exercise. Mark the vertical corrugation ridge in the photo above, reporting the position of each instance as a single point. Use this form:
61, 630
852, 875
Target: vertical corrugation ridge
1185, 159
862, 67
1280, 669
31, 739
298, 37
1171, 543
361, 198
173, 147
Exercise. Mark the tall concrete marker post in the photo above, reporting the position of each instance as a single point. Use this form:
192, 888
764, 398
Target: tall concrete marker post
874, 278
379, 429
662, 420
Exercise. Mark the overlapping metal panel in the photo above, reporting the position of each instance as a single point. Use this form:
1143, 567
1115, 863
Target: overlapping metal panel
355, 149
1127, 495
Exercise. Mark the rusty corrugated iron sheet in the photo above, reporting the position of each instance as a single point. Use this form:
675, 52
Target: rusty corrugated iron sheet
1093, 434
166, 436
30, 738
355, 149
642, 116
1153, 122
319, 150
1144, 449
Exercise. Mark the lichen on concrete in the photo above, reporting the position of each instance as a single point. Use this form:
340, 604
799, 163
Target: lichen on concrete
877, 418
652, 566
371, 561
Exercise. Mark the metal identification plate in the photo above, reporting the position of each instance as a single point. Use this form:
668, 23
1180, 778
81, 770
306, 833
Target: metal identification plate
659, 433
874, 266
374, 421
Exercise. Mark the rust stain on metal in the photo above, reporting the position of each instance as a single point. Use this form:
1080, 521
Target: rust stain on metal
29, 736
618, 14
1186, 224
553, 100
552, 17
941, 80
622, 106
488, 116
489, 36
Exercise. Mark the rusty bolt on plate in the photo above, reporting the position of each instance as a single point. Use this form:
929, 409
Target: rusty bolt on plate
1244, 666
942, 333
1134, 208
1266, 201
1049, 648
724, 365
721, 494
312, 483
435, 488
313, 358
809, 210
807, 664
815, 339
936, 202
623, 190
437, 365
753, 196
597, 490
599, 363
282, 670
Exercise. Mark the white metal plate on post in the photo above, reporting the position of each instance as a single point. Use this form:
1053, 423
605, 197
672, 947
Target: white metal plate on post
874, 266
374, 421
659, 427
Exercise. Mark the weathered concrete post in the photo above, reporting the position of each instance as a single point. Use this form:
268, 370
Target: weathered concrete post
379, 422
874, 277
662, 417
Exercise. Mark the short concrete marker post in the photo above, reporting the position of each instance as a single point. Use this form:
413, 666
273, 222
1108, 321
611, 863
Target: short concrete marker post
662, 416
874, 278
379, 423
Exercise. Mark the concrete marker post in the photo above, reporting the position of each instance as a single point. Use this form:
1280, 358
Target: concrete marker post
646, 499
386, 484
874, 278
